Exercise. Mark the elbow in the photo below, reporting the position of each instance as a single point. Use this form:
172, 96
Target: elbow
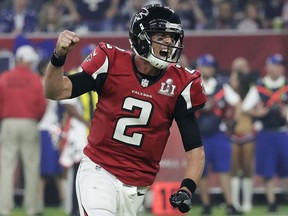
49, 94
51, 90
200, 154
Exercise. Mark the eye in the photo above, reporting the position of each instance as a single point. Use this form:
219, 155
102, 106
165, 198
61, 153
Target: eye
160, 38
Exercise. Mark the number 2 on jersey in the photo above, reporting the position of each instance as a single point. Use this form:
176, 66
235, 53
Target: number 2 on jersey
123, 123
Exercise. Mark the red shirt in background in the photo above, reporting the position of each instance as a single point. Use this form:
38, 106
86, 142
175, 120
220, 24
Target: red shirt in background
21, 94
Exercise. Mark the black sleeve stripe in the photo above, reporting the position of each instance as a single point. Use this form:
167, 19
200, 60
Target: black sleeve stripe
189, 131
81, 83
180, 107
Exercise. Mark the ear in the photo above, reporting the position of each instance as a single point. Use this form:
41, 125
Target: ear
143, 47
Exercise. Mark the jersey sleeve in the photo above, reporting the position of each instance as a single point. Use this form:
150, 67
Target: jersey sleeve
197, 91
192, 97
97, 62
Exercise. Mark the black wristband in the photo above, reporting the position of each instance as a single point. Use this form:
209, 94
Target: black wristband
190, 184
56, 60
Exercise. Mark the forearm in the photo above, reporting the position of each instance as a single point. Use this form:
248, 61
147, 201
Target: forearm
195, 164
194, 169
56, 86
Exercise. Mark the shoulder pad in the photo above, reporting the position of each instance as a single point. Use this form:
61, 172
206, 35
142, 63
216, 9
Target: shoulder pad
190, 72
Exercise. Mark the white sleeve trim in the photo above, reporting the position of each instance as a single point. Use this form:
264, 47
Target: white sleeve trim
186, 95
102, 69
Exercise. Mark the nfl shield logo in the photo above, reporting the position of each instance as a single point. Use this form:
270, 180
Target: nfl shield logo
144, 82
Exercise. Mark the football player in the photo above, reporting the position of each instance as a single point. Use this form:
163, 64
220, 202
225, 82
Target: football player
140, 94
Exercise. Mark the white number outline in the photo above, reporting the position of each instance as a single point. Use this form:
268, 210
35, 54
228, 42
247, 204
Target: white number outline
191, 71
123, 123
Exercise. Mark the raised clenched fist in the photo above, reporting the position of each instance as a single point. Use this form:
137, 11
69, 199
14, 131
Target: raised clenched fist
65, 43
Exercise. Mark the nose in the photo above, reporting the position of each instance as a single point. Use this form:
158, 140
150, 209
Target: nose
168, 40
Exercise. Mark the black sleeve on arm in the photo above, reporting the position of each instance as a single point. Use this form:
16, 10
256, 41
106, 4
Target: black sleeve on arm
189, 131
83, 82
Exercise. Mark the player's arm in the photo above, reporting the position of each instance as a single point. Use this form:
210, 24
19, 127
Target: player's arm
193, 172
192, 142
57, 86
195, 165
191, 139
192, 98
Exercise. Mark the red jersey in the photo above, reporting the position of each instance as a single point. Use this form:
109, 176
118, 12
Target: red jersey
131, 124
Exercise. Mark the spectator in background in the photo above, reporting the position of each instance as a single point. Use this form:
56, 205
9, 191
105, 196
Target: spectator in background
190, 13
4, 3
7, 60
268, 103
242, 136
272, 11
49, 19
284, 15
251, 22
96, 15
50, 131
224, 19
217, 145
211, 8
80, 112
22, 105
207, 8
56, 15
18, 17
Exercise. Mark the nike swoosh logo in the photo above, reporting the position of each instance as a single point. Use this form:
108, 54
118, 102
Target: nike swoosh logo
140, 194
94, 52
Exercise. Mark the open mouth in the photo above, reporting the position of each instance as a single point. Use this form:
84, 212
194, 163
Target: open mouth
164, 53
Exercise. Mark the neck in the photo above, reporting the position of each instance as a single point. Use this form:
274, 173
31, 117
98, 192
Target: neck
145, 67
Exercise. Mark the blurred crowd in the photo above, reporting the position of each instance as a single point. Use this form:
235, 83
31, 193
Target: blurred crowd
82, 16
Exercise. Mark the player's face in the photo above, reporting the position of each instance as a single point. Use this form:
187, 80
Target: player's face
161, 45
